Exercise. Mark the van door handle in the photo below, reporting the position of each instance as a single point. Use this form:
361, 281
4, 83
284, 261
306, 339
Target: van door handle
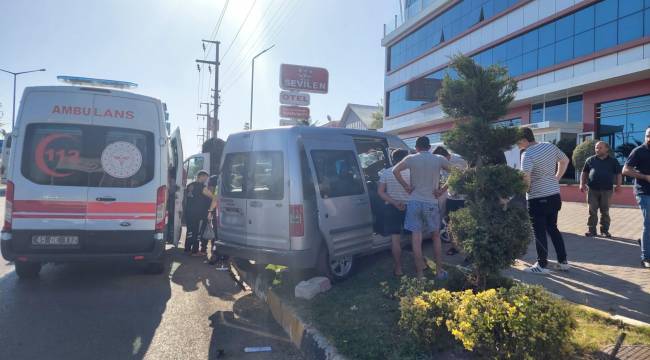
106, 198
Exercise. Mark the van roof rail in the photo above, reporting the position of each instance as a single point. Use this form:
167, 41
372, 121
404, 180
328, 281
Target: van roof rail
78, 80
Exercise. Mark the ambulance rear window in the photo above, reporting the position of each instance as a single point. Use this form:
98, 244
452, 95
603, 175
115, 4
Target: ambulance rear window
93, 156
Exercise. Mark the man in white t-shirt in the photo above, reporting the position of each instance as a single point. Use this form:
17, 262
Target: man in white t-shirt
422, 213
395, 198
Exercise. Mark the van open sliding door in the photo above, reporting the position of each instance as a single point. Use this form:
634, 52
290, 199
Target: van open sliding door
344, 215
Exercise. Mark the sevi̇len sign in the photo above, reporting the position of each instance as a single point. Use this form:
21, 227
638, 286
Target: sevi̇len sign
304, 78
294, 98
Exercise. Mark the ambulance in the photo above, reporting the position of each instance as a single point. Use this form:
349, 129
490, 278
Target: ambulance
89, 176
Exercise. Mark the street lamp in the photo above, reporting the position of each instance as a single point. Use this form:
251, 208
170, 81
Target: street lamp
15, 74
250, 123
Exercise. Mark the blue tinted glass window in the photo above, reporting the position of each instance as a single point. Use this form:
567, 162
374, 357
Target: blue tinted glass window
647, 22
514, 47
515, 66
555, 110
605, 36
500, 5
647, 4
575, 109
537, 113
547, 34
584, 19
630, 28
529, 62
627, 7
546, 56
530, 41
583, 44
488, 9
564, 28
606, 11
563, 50
499, 54
485, 58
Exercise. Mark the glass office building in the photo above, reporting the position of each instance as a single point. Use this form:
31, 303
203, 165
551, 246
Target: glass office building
582, 66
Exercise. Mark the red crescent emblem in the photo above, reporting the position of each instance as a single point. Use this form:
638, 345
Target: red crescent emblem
40, 154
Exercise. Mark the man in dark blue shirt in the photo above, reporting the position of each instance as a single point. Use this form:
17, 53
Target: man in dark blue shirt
638, 167
597, 180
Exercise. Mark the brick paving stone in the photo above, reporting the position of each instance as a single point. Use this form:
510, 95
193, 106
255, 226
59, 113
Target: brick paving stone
630, 352
605, 273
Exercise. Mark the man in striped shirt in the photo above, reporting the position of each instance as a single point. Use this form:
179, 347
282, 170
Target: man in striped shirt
544, 165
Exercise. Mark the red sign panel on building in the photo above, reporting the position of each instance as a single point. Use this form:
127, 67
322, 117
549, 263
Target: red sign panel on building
294, 112
304, 78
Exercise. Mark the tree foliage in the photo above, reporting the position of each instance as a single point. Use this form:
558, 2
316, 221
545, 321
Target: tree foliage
582, 152
491, 229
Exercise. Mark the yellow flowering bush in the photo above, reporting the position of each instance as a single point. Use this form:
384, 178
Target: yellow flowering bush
523, 322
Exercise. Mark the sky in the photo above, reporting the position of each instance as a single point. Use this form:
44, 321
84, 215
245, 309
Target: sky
155, 43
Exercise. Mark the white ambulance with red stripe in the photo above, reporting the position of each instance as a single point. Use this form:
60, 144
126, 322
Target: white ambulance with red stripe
90, 172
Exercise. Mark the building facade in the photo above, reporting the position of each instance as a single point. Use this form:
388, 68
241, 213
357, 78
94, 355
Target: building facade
582, 66
356, 116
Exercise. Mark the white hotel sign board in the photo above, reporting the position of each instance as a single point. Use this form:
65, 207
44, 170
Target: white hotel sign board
294, 98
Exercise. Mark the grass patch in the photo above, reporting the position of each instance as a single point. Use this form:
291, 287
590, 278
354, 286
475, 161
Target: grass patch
361, 320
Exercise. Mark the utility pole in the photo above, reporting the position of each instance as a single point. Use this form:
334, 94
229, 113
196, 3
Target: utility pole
215, 119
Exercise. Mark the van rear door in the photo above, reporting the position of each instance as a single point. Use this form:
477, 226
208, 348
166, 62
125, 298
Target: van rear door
233, 191
344, 215
122, 192
267, 207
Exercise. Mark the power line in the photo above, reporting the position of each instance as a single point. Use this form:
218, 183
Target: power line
245, 53
277, 31
253, 32
238, 31
215, 31
268, 36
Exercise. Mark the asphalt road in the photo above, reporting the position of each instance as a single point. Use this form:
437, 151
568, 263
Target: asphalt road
109, 311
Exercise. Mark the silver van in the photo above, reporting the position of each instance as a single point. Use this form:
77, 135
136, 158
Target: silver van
303, 197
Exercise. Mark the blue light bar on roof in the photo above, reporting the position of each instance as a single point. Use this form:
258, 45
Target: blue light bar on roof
77, 80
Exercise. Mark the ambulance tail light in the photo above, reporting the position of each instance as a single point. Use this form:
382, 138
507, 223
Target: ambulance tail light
161, 208
296, 220
9, 206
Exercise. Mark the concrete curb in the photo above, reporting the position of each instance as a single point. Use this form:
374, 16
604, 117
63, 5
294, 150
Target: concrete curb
305, 337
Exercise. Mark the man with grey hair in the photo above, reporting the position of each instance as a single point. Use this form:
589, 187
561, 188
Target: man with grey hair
598, 176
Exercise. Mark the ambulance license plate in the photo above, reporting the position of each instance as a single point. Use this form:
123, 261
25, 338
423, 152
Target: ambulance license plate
56, 240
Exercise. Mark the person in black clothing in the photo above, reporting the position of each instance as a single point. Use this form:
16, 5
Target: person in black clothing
198, 200
597, 180
638, 167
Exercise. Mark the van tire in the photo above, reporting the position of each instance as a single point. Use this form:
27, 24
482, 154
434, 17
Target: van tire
155, 268
27, 270
336, 271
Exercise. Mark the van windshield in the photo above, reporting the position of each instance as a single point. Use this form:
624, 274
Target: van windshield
83, 155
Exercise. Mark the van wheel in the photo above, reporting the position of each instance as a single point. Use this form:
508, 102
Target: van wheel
28, 270
155, 268
336, 269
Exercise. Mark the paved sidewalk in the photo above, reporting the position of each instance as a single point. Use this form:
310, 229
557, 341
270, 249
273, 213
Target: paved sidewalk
606, 273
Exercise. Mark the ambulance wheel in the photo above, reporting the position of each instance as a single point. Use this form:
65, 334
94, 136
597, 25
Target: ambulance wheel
28, 270
155, 268
335, 269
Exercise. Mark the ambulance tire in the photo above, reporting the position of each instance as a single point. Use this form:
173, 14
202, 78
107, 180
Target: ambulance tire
28, 270
155, 268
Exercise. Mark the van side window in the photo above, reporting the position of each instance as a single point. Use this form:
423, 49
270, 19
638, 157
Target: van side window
234, 174
267, 176
372, 157
337, 172
82, 155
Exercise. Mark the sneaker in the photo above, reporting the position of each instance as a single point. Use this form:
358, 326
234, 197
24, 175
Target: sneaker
606, 234
590, 234
537, 269
646, 263
443, 275
563, 266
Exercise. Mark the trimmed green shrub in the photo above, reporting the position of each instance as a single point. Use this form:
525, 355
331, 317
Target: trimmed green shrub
491, 230
582, 152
